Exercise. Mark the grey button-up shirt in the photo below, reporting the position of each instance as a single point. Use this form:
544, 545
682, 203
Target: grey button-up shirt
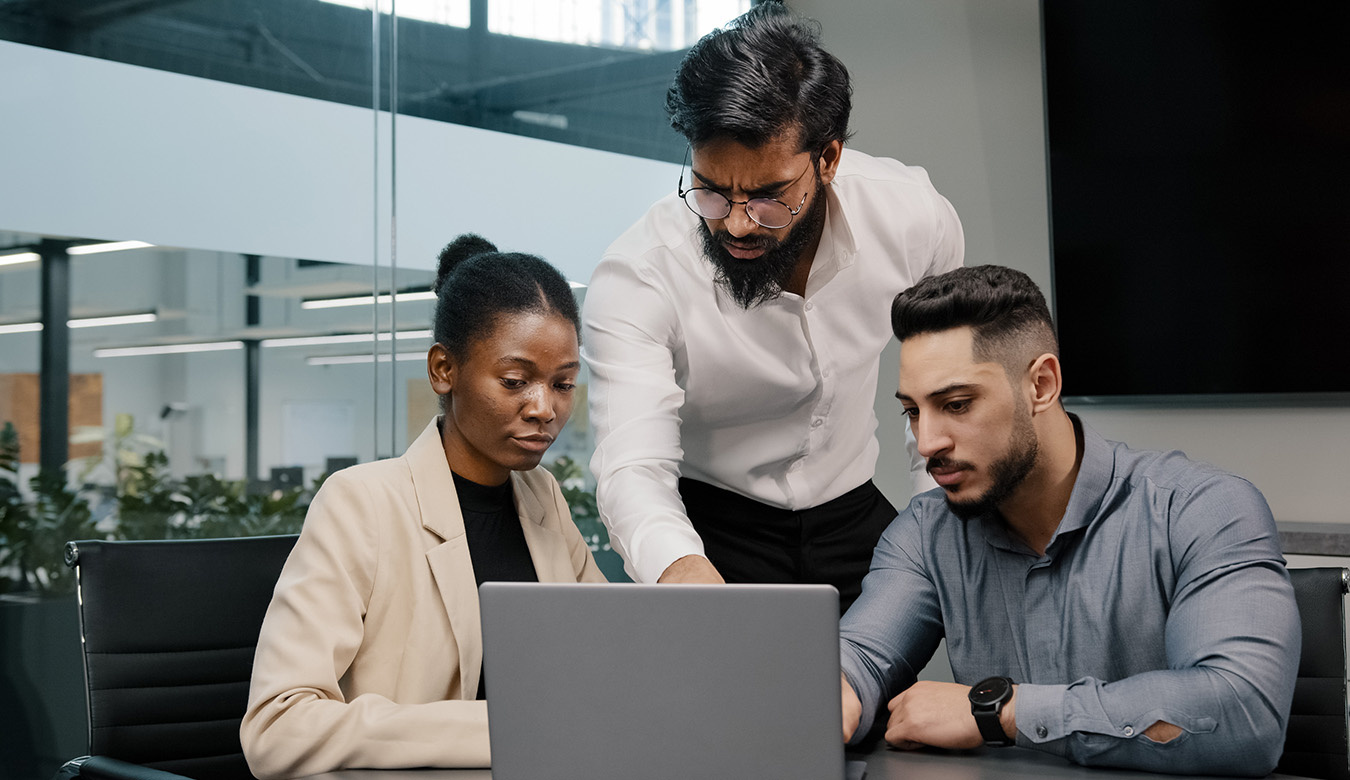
1161, 596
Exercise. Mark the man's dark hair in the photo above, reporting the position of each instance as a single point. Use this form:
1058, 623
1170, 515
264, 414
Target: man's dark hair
761, 75
476, 284
1004, 308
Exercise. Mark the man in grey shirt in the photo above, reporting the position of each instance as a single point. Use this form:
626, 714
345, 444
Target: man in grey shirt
1113, 606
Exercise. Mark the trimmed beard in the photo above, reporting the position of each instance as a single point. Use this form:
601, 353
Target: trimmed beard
1008, 472
752, 282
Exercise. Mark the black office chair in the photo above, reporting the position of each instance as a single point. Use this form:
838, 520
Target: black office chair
169, 629
1317, 743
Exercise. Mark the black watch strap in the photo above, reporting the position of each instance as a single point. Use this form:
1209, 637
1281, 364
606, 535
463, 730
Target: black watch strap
987, 698
991, 729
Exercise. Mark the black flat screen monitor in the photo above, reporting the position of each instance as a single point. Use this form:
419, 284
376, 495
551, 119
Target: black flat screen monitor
1199, 165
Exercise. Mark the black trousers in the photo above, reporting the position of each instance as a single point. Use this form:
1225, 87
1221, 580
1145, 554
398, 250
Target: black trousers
749, 541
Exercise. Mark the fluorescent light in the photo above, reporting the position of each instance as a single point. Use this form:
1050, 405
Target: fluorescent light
366, 300
108, 246
84, 322
21, 257
344, 360
21, 327
118, 319
575, 285
345, 338
555, 121
169, 349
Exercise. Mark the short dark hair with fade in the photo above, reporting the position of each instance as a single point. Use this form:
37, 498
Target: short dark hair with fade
761, 75
1004, 308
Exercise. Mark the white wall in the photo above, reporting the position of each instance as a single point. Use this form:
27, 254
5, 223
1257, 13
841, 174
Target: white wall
955, 86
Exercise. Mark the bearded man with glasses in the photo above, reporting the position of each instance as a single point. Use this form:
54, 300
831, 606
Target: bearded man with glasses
734, 333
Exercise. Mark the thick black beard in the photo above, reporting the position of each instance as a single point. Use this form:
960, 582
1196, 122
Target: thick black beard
1008, 472
752, 282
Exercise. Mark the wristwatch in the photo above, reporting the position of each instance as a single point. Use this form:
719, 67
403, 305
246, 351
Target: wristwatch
987, 698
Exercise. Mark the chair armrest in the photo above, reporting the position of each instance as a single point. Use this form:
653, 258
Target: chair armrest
104, 768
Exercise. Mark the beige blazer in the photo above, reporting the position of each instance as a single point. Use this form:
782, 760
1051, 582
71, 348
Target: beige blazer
371, 649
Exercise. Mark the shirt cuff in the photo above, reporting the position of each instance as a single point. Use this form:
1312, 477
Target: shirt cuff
662, 550
1041, 723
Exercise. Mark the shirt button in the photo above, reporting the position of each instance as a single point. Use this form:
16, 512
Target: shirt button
1041, 731
816, 423
825, 372
810, 306
1129, 731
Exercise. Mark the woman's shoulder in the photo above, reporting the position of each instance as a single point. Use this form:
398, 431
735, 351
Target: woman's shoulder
386, 472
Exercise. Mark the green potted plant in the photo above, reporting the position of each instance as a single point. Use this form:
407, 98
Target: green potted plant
129, 485
574, 483
40, 664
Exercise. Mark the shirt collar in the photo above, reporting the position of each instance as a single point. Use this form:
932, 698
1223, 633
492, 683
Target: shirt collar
1094, 476
837, 248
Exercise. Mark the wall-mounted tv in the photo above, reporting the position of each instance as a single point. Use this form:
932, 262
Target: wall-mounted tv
1199, 179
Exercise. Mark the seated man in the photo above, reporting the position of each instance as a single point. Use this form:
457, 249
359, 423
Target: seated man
1113, 606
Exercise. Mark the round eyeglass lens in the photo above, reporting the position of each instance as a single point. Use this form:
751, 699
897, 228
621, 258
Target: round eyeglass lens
769, 213
707, 204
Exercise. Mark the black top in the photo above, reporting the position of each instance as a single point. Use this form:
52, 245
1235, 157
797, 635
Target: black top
496, 541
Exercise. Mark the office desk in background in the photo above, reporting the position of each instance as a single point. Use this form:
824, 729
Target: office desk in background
882, 764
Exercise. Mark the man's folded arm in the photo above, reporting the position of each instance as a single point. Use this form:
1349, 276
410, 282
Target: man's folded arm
1232, 640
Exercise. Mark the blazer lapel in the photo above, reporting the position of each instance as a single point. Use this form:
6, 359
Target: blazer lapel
548, 548
451, 567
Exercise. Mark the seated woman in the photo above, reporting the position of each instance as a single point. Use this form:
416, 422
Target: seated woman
371, 652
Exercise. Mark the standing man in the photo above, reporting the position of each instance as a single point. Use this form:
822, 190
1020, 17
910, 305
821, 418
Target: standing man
1116, 607
732, 332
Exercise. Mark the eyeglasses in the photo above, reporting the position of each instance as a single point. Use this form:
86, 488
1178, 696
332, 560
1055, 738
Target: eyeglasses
770, 213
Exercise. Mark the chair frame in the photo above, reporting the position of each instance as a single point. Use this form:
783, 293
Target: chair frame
172, 672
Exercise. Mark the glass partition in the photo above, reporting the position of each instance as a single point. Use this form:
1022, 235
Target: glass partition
270, 322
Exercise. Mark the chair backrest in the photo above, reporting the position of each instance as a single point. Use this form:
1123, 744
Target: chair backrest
1317, 743
169, 630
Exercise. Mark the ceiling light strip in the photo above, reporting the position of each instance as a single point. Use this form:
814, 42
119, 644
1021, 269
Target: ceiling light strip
107, 246
20, 257
116, 319
344, 360
344, 338
365, 300
169, 349
84, 322
21, 327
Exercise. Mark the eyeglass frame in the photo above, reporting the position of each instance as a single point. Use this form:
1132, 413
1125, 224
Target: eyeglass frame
731, 204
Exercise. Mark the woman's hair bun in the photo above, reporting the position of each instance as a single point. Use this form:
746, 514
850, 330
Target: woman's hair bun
457, 251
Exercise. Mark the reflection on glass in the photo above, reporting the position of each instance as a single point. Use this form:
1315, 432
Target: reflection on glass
647, 25
590, 73
454, 13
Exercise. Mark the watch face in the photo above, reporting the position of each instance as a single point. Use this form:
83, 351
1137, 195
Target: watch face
989, 691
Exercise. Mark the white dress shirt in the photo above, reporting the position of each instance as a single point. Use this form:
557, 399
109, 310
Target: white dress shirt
774, 403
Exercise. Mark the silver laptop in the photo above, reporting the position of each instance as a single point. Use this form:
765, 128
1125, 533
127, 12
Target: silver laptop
662, 682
